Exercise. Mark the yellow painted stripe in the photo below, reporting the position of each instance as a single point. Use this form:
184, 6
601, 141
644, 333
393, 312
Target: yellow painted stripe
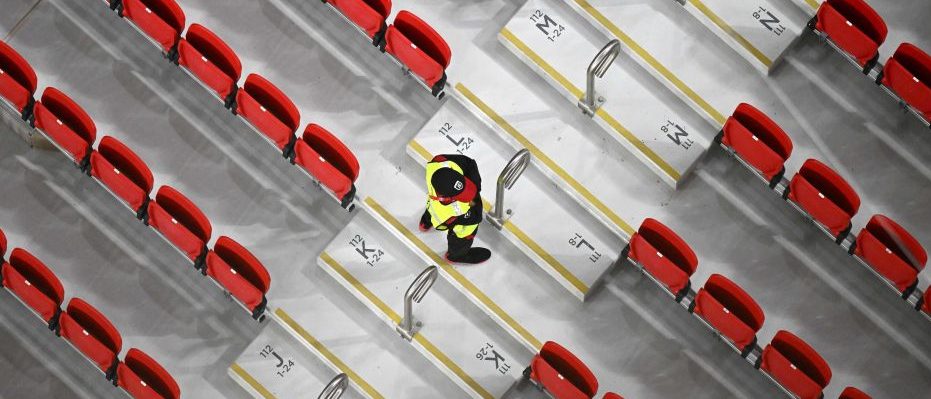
813, 3
420, 338
355, 378
541, 157
452, 272
653, 62
523, 237
732, 33
620, 129
249, 379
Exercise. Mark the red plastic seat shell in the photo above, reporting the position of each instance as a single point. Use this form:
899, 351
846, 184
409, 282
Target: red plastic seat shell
612, 395
91, 332
2, 246
663, 254
369, 15
180, 221
562, 374
66, 123
143, 378
853, 393
122, 171
238, 270
418, 46
267, 108
854, 26
210, 59
908, 75
757, 140
18, 81
162, 20
33, 283
730, 310
796, 366
326, 158
890, 250
926, 304
825, 195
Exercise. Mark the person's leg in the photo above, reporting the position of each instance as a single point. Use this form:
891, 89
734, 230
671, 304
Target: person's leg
460, 240
458, 247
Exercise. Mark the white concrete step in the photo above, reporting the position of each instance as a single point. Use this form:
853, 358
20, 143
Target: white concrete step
377, 270
546, 226
542, 37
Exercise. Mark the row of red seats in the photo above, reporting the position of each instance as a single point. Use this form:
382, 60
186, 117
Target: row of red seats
262, 105
559, 373
409, 40
857, 30
884, 246
730, 312
84, 327
125, 175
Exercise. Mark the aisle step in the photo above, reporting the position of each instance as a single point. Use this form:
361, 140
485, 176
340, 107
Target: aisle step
543, 38
377, 271
560, 238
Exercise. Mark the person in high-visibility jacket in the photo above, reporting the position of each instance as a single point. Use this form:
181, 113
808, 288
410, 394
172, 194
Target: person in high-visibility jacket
454, 205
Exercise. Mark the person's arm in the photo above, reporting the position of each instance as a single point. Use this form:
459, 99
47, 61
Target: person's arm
473, 216
469, 168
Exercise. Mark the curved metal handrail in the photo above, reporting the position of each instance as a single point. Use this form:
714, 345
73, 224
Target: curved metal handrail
415, 293
590, 101
512, 171
336, 387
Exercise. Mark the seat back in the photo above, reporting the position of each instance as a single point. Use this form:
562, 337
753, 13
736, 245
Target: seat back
926, 303
424, 37
612, 395
144, 378
65, 122
18, 81
91, 332
332, 149
420, 48
669, 244
370, 15
122, 171
274, 100
908, 74
758, 140
832, 185
796, 365
864, 17
239, 272
181, 222
730, 310
853, 393
2, 246
915, 60
210, 59
854, 27
665, 255
34, 283
898, 240
162, 20
563, 374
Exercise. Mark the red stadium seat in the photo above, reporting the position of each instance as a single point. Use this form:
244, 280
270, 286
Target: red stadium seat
211, 61
368, 15
890, 250
612, 395
327, 159
731, 311
66, 124
123, 173
908, 75
664, 255
161, 20
759, 141
420, 48
92, 334
825, 196
796, 366
18, 81
240, 273
854, 27
143, 378
34, 284
926, 302
181, 223
270, 111
853, 393
2, 247
563, 375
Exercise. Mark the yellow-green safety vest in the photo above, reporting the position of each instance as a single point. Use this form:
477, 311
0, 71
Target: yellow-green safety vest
439, 212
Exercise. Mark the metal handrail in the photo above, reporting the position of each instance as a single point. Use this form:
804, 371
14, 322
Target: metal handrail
336, 387
415, 293
512, 171
591, 101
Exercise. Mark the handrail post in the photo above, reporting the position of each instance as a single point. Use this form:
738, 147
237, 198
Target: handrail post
591, 101
336, 387
512, 171
415, 293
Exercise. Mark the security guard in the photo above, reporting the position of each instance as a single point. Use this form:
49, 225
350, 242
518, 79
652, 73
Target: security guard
454, 204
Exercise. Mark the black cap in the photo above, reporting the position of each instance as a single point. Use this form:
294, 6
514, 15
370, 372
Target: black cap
452, 185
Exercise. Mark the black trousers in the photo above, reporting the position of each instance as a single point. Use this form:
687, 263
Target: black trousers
458, 247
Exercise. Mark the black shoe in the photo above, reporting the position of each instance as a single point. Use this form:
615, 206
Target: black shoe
473, 257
